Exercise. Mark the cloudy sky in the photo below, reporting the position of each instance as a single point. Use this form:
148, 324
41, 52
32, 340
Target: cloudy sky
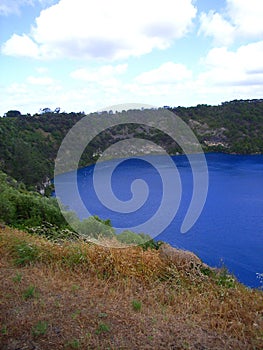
83, 55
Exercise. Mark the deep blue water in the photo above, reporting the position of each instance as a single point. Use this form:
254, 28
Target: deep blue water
229, 230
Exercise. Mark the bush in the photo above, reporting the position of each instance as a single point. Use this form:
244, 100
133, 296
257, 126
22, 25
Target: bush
26, 253
53, 232
137, 305
94, 228
130, 237
141, 239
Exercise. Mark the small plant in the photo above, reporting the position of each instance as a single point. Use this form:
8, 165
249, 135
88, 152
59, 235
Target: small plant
30, 292
129, 237
26, 253
150, 243
17, 278
40, 328
73, 344
74, 258
225, 279
4, 330
75, 287
137, 305
102, 328
75, 314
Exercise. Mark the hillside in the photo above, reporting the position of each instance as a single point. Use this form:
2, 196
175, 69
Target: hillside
29, 144
82, 296
60, 291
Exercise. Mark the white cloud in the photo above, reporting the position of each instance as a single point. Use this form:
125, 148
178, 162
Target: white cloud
243, 67
30, 96
99, 75
240, 19
167, 73
40, 80
113, 29
20, 45
226, 75
213, 24
167, 84
42, 70
247, 16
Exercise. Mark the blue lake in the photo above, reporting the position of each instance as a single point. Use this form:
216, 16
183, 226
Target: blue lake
229, 230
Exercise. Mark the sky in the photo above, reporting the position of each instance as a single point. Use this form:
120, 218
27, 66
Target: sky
83, 55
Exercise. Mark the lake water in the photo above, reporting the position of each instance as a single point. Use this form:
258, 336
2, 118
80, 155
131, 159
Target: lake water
229, 230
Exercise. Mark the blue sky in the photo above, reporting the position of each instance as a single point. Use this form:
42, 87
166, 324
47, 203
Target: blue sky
83, 55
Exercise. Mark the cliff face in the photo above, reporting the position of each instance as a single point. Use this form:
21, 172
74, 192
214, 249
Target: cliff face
29, 144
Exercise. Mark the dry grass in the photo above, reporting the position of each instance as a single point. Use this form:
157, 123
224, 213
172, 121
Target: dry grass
83, 296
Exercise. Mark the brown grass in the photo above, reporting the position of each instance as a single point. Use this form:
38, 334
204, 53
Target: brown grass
84, 295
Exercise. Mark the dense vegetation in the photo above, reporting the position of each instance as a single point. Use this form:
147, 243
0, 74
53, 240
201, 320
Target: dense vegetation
40, 215
29, 144
232, 127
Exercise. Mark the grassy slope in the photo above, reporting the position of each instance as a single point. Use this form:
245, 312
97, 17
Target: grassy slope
81, 296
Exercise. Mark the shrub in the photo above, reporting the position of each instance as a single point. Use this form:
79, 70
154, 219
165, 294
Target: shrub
40, 328
73, 344
137, 305
130, 237
102, 328
30, 292
53, 232
225, 279
26, 253
17, 278
94, 228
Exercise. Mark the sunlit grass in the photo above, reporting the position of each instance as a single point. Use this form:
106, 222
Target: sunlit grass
81, 295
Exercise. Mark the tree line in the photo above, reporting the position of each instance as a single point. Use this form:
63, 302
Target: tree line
29, 143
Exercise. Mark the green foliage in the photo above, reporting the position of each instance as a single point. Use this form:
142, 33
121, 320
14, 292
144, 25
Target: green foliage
75, 257
18, 277
42, 216
137, 305
130, 237
75, 288
25, 253
232, 127
72, 344
102, 328
13, 114
151, 244
106, 222
94, 228
30, 292
4, 330
40, 328
75, 314
225, 279
206, 271
53, 232
21, 208
143, 240
29, 144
